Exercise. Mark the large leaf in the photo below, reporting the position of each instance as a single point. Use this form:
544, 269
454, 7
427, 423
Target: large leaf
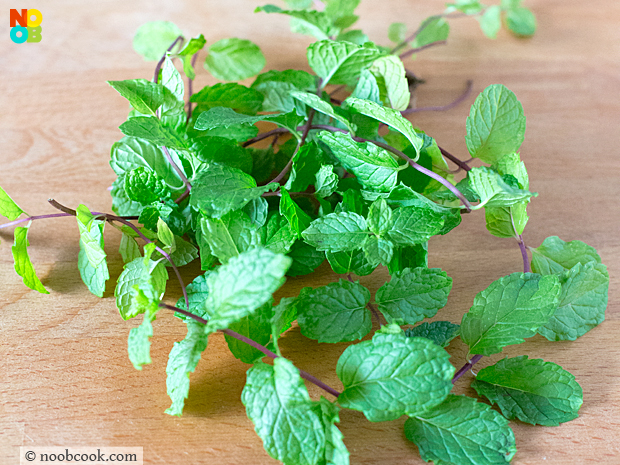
153, 39
462, 431
415, 225
556, 256
508, 311
145, 96
532, 390
337, 232
230, 95
493, 191
234, 59
134, 273
230, 235
152, 129
392, 375
390, 74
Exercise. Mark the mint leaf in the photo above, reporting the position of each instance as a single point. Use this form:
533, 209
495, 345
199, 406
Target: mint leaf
8, 208
337, 232
182, 361
284, 417
414, 294
276, 86
508, 311
392, 375
374, 167
174, 91
153, 39
351, 261
390, 72
414, 225
230, 235
257, 327
278, 236
197, 292
129, 248
320, 105
493, 191
242, 285
521, 21
284, 314
495, 125
234, 59
144, 186
340, 62
313, 23
231, 95
378, 250
440, 332
193, 46
389, 116
397, 32
532, 390
462, 430
334, 313
184, 252
219, 189
379, 217
555, 256
306, 259
298, 219
326, 181
23, 265
582, 303
214, 149
306, 162
491, 21
145, 96
336, 452
134, 273
145, 299
92, 258
152, 129
409, 257
433, 29
222, 117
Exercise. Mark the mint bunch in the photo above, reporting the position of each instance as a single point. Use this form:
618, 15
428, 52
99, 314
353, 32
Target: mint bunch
341, 176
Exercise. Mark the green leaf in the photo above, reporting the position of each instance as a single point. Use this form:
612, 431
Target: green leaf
508, 311
336, 452
355, 36
374, 167
397, 32
222, 117
440, 332
532, 390
23, 265
153, 39
390, 72
242, 285
145, 96
464, 431
414, 225
152, 129
197, 292
306, 162
582, 303
379, 217
230, 235
276, 86
432, 29
144, 186
491, 21
337, 232
340, 62
313, 23
174, 91
521, 22
393, 375
277, 402
306, 259
495, 125
8, 208
284, 314
367, 88
134, 273
182, 361
340, 8
234, 59
414, 294
409, 257
139, 344
129, 248
298, 219
351, 261
326, 181
219, 189
334, 313
493, 191
165, 236
378, 250
256, 327
193, 46
230, 95
320, 105
389, 116
278, 236
555, 256
92, 258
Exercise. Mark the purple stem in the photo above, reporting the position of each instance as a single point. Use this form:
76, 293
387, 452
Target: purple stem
257, 346
120, 219
408, 53
265, 135
190, 87
450, 105
465, 368
526, 260
422, 26
461, 164
53, 215
161, 60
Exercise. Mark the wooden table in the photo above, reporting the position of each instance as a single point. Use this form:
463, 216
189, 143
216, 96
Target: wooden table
65, 378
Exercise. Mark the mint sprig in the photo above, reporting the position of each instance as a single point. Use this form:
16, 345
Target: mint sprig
343, 176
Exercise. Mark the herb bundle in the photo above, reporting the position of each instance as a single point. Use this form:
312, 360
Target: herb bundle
347, 179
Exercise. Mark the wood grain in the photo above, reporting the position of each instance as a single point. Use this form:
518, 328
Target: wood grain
65, 379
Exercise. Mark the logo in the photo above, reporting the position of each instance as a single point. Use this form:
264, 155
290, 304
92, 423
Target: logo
25, 25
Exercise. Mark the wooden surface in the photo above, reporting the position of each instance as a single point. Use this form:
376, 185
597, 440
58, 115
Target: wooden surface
65, 379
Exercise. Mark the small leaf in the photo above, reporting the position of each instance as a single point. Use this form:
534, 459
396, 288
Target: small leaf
229, 95
491, 21
230, 235
145, 96
234, 59
397, 32
440, 332
493, 191
390, 72
256, 327
337, 232
462, 430
298, 219
532, 390
152, 129
92, 258
379, 217
432, 29
133, 274
334, 313
153, 39
555, 256
521, 22
8, 208
23, 265
414, 225
326, 181
320, 105
145, 186
378, 250
193, 46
